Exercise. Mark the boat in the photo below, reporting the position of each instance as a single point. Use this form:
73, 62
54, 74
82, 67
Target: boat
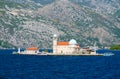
15, 53
108, 54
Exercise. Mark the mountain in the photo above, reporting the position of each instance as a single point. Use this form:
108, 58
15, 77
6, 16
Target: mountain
26, 23
102, 6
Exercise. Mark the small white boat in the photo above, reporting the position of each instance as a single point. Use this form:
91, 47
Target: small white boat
108, 54
15, 53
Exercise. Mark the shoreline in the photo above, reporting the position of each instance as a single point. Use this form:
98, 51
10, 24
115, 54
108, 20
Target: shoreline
51, 54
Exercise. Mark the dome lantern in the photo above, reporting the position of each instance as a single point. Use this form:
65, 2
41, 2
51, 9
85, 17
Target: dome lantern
54, 35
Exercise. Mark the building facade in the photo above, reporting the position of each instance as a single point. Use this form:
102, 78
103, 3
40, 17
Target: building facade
70, 47
30, 50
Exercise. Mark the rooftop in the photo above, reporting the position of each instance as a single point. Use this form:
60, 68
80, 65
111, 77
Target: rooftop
62, 43
32, 48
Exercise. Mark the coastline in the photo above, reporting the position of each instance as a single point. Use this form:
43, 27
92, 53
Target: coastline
51, 54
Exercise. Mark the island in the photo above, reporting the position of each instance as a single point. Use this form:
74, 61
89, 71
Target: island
62, 48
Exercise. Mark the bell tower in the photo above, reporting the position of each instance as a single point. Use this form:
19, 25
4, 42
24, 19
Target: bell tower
55, 43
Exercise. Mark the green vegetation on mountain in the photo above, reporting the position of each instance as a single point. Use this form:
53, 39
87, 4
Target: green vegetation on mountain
7, 4
5, 44
115, 47
26, 23
117, 13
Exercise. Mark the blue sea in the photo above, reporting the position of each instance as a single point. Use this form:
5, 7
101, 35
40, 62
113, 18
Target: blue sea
13, 66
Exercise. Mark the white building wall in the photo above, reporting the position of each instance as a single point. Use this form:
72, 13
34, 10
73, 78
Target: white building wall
65, 50
30, 52
55, 45
93, 52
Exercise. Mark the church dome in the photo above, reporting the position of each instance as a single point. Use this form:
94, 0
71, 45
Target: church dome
72, 42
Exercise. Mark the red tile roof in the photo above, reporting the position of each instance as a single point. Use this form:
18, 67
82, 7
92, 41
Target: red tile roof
62, 43
32, 48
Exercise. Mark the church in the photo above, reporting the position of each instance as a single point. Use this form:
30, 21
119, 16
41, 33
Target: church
69, 47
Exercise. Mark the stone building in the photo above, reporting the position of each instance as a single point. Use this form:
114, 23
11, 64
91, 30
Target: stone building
30, 50
70, 47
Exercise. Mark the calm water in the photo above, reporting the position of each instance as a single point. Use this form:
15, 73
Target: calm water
59, 67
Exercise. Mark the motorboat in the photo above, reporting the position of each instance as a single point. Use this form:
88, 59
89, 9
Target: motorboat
108, 54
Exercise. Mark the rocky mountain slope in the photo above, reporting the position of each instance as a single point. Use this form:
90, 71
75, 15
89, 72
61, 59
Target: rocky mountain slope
26, 23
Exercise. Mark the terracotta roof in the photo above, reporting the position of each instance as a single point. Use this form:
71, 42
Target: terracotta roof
32, 48
62, 43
